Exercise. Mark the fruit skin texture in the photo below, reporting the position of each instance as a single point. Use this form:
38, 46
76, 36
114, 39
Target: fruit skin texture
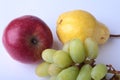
80, 24
26, 37
47, 55
77, 51
69, 73
98, 71
102, 33
62, 59
85, 73
42, 69
91, 48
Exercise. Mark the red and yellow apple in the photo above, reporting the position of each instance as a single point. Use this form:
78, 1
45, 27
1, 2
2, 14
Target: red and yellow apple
26, 37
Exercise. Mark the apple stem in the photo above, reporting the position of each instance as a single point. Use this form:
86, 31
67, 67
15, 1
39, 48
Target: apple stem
114, 35
34, 41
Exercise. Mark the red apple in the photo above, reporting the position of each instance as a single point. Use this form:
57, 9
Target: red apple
26, 37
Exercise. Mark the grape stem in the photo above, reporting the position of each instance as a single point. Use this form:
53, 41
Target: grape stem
112, 69
114, 35
91, 62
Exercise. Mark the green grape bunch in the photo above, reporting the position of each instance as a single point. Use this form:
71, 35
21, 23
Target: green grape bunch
75, 61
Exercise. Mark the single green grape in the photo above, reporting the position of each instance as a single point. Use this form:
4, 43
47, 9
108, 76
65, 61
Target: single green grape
99, 71
62, 59
85, 73
69, 73
42, 69
47, 55
77, 51
66, 47
53, 69
91, 48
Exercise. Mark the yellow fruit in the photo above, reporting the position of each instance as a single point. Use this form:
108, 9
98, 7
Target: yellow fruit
102, 33
80, 24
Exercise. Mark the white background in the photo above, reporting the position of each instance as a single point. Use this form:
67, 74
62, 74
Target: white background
106, 11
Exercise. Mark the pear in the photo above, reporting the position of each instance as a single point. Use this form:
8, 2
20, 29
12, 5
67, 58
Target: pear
81, 24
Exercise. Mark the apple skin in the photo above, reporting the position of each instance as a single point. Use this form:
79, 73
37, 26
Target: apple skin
26, 37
